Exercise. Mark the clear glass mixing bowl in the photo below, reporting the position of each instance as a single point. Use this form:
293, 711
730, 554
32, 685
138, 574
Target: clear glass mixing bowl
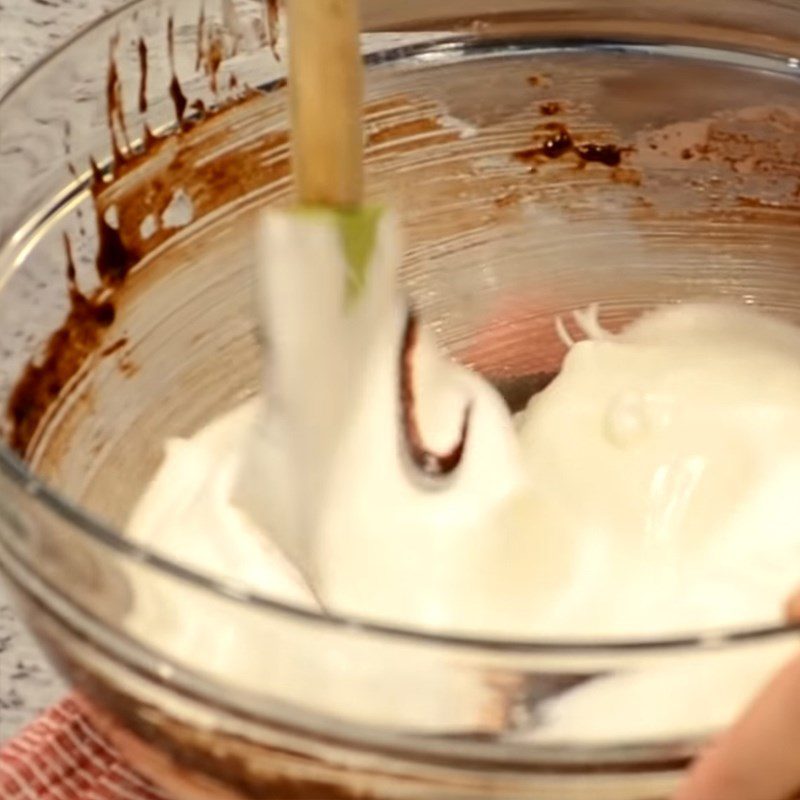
545, 154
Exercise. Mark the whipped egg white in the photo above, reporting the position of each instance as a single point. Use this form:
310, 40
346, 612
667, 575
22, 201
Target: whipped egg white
648, 491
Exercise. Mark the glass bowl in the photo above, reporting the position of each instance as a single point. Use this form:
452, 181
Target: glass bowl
544, 155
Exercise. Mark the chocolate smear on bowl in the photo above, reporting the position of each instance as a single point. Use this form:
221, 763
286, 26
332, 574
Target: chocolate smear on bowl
555, 140
64, 354
432, 465
121, 205
189, 157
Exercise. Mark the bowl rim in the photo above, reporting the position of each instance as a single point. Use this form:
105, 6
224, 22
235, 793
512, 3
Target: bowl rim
13, 467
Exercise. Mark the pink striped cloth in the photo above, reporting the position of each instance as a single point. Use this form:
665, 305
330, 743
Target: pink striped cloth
62, 757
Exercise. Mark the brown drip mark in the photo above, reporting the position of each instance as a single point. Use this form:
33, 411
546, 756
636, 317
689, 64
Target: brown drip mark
142, 76
210, 50
214, 60
149, 137
550, 109
175, 90
431, 464
66, 351
114, 260
538, 81
559, 142
201, 37
273, 24
114, 347
178, 98
73, 171
114, 110
98, 179
199, 107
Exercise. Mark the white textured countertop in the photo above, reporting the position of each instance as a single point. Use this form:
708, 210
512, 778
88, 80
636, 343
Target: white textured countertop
28, 29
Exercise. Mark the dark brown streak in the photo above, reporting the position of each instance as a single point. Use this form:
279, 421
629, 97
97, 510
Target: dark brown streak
178, 98
431, 464
171, 41
142, 76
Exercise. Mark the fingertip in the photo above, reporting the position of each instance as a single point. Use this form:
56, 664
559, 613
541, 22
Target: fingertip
792, 608
706, 780
757, 759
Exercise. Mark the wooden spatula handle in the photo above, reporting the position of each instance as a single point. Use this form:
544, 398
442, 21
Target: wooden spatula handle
326, 86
